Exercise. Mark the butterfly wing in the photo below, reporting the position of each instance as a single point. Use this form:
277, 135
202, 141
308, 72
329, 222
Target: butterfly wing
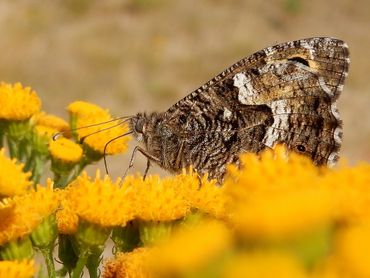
282, 94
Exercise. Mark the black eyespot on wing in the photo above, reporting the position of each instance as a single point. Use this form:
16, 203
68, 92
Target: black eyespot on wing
299, 60
301, 148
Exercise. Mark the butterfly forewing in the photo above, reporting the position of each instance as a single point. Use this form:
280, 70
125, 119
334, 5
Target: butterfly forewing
282, 94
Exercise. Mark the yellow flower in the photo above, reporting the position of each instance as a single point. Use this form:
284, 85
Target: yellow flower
351, 186
29, 211
6, 213
351, 251
158, 199
101, 201
85, 114
264, 264
82, 108
46, 126
67, 219
13, 181
202, 194
65, 150
17, 269
190, 248
51, 121
45, 132
18, 102
278, 195
128, 265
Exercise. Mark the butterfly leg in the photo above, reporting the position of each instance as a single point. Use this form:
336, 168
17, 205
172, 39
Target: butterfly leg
199, 181
147, 168
143, 152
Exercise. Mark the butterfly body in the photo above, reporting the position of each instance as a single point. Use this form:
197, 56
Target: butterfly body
282, 94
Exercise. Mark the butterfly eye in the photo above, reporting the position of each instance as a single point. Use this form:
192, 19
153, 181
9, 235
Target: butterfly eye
301, 148
139, 126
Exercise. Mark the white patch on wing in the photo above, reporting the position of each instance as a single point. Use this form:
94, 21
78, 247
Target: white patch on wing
332, 159
280, 107
227, 114
334, 110
338, 135
277, 131
271, 136
323, 86
246, 91
309, 47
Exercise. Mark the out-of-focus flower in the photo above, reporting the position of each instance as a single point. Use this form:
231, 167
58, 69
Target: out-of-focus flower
278, 195
13, 181
259, 264
18, 269
18, 103
45, 132
85, 114
29, 211
83, 108
351, 251
51, 121
45, 127
128, 265
114, 203
191, 248
351, 186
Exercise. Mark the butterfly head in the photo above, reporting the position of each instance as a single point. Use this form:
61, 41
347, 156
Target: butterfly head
143, 125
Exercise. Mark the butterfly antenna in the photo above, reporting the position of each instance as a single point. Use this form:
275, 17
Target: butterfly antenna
82, 139
61, 133
106, 146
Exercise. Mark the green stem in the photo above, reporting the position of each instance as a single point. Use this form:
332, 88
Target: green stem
83, 163
62, 272
38, 167
47, 253
77, 271
61, 180
67, 179
29, 165
13, 149
93, 264
23, 150
1, 137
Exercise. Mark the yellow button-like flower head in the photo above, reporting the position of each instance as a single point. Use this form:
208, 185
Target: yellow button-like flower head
101, 201
17, 269
130, 264
159, 199
85, 114
17, 102
65, 151
13, 181
190, 248
278, 195
29, 211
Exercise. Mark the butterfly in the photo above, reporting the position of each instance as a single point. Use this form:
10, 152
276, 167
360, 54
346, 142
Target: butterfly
283, 94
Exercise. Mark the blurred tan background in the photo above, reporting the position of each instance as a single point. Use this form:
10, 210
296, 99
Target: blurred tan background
144, 55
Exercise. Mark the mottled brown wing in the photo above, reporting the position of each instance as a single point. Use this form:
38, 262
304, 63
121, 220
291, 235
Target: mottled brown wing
282, 94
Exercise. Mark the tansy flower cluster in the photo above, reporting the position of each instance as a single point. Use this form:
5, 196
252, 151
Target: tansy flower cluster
275, 214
